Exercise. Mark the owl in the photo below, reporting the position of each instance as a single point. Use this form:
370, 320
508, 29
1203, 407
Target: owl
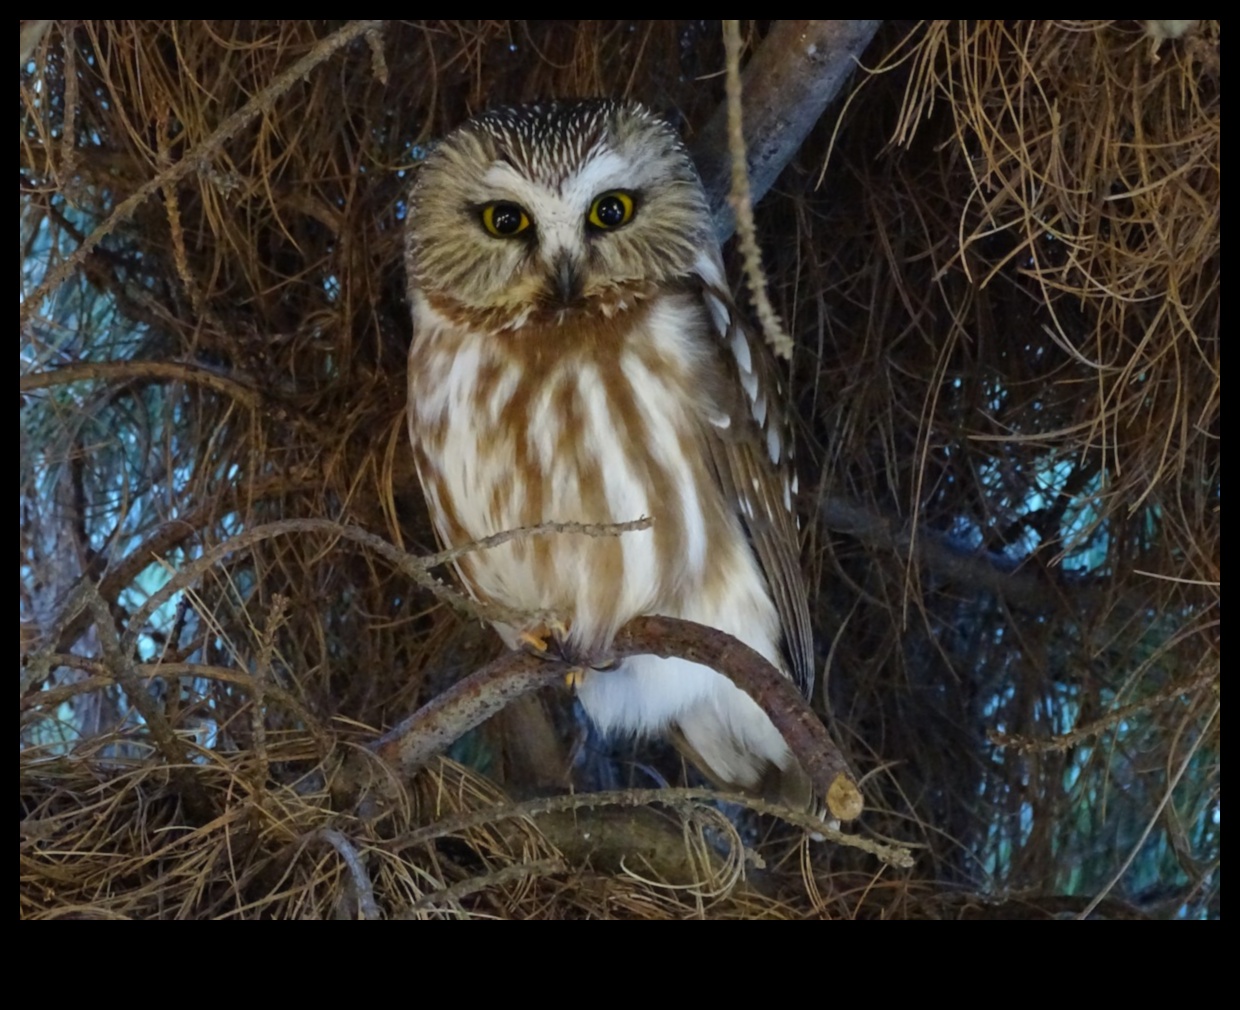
577, 357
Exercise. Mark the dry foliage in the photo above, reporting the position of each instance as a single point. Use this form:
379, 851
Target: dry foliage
999, 262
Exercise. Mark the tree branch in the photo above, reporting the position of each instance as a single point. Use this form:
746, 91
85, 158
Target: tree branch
466, 704
787, 84
71, 619
980, 569
482, 694
681, 800
31, 35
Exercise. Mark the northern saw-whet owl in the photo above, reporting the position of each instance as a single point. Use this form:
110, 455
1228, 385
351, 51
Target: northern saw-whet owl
577, 356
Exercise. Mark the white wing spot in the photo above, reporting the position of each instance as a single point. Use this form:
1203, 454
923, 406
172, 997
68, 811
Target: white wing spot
772, 443
750, 382
719, 315
740, 349
759, 410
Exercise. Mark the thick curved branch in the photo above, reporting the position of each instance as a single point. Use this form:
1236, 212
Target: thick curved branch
787, 84
775, 694
482, 694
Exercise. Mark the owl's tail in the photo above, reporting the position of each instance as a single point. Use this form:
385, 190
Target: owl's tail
731, 765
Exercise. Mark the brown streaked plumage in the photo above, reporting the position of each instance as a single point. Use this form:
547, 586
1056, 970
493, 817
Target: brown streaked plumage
577, 357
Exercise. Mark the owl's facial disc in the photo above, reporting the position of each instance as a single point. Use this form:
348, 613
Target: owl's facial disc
531, 213
559, 229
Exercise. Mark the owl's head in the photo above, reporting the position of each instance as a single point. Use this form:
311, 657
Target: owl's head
554, 208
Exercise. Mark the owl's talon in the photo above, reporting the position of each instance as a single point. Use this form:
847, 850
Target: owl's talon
575, 678
535, 641
558, 630
546, 641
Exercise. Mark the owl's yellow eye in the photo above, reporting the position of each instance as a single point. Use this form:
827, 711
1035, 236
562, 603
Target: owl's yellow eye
504, 220
611, 210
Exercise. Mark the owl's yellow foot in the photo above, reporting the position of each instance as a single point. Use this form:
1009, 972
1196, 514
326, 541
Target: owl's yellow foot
545, 640
577, 675
534, 641
550, 641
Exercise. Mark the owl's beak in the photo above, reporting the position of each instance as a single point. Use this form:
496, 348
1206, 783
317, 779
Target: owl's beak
567, 277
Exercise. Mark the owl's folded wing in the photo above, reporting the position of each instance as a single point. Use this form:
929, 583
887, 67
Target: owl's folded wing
751, 446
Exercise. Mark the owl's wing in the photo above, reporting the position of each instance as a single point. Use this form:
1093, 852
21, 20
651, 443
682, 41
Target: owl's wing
751, 445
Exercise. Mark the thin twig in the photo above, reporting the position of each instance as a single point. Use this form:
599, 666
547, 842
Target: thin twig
108, 371
519, 871
416, 568
102, 677
70, 155
167, 536
367, 906
1027, 586
121, 665
38, 668
1112, 720
262, 675
495, 539
742, 206
170, 746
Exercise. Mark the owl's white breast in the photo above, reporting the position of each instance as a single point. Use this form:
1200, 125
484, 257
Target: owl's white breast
508, 436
